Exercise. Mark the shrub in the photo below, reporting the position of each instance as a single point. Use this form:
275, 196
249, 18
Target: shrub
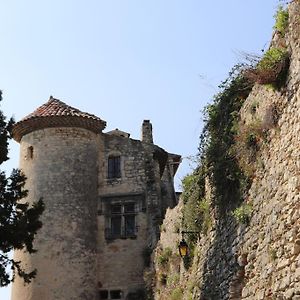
218, 138
248, 141
281, 20
164, 256
163, 278
243, 213
193, 211
177, 294
173, 279
272, 58
271, 69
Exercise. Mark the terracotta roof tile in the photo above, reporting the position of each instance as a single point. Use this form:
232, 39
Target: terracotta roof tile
55, 107
56, 113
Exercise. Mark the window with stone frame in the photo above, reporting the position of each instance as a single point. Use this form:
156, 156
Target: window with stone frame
120, 214
121, 220
114, 167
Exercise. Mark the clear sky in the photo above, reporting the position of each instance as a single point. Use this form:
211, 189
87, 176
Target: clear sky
127, 60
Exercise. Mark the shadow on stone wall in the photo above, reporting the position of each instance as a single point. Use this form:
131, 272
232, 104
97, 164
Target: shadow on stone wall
223, 275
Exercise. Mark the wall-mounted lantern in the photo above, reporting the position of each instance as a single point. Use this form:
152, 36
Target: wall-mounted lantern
183, 246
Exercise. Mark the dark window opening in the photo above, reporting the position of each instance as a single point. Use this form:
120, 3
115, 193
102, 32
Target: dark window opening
129, 225
116, 226
29, 153
121, 221
116, 294
114, 167
129, 207
116, 209
103, 295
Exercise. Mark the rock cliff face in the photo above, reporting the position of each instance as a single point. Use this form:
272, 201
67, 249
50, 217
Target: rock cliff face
258, 260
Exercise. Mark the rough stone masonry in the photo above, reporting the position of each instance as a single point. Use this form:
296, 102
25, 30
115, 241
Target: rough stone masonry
260, 260
105, 196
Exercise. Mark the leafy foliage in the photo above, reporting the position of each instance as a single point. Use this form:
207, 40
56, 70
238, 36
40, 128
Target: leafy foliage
19, 222
281, 20
164, 256
177, 294
196, 216
218, 137
271, 69
271, 58
248, 141
243, 213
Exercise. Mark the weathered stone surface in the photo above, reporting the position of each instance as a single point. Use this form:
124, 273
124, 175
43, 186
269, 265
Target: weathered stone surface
68, 166
270, 242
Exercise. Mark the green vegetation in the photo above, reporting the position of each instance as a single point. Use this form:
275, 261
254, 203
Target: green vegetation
196, 211
173, 279
162, 278
281, 20
19, 222
218, 138
272, 254
164, 257
254, 107
272, 58
272, 69
243, 213
248, 141
177, 294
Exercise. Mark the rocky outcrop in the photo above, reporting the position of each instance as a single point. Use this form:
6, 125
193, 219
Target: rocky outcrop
258, 260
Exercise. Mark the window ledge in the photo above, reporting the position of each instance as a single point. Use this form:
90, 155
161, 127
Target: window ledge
113, 180
121, 237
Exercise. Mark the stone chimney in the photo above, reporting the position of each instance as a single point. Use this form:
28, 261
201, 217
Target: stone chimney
147, 132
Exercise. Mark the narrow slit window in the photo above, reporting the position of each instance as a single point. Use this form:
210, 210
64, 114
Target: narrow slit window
29, 154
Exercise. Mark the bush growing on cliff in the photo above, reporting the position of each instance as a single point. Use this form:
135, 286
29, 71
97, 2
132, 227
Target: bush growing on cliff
243, 213
164, 256
281, 20
271, 69
177, 294
196, 211
218, 138
248, 141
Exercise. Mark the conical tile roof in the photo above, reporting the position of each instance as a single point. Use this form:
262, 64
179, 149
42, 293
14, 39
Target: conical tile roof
56, 113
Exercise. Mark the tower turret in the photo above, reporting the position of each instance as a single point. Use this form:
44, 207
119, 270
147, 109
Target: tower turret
59, 155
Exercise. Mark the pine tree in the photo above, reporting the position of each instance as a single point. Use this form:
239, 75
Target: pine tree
19, 221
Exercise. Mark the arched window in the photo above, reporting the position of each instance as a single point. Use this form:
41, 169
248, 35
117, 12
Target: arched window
114, 167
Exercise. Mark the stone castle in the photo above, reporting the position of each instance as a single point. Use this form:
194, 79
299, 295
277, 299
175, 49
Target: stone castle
105, 196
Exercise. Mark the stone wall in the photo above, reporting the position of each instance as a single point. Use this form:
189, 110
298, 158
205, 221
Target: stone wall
144, 174
259, 260
61, 167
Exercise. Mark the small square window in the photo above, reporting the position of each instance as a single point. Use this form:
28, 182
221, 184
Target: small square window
103, 295
116, 294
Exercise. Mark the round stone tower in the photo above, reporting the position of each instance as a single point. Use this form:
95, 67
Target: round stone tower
59, 155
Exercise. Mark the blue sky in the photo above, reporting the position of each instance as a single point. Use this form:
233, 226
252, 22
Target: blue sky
127, 60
